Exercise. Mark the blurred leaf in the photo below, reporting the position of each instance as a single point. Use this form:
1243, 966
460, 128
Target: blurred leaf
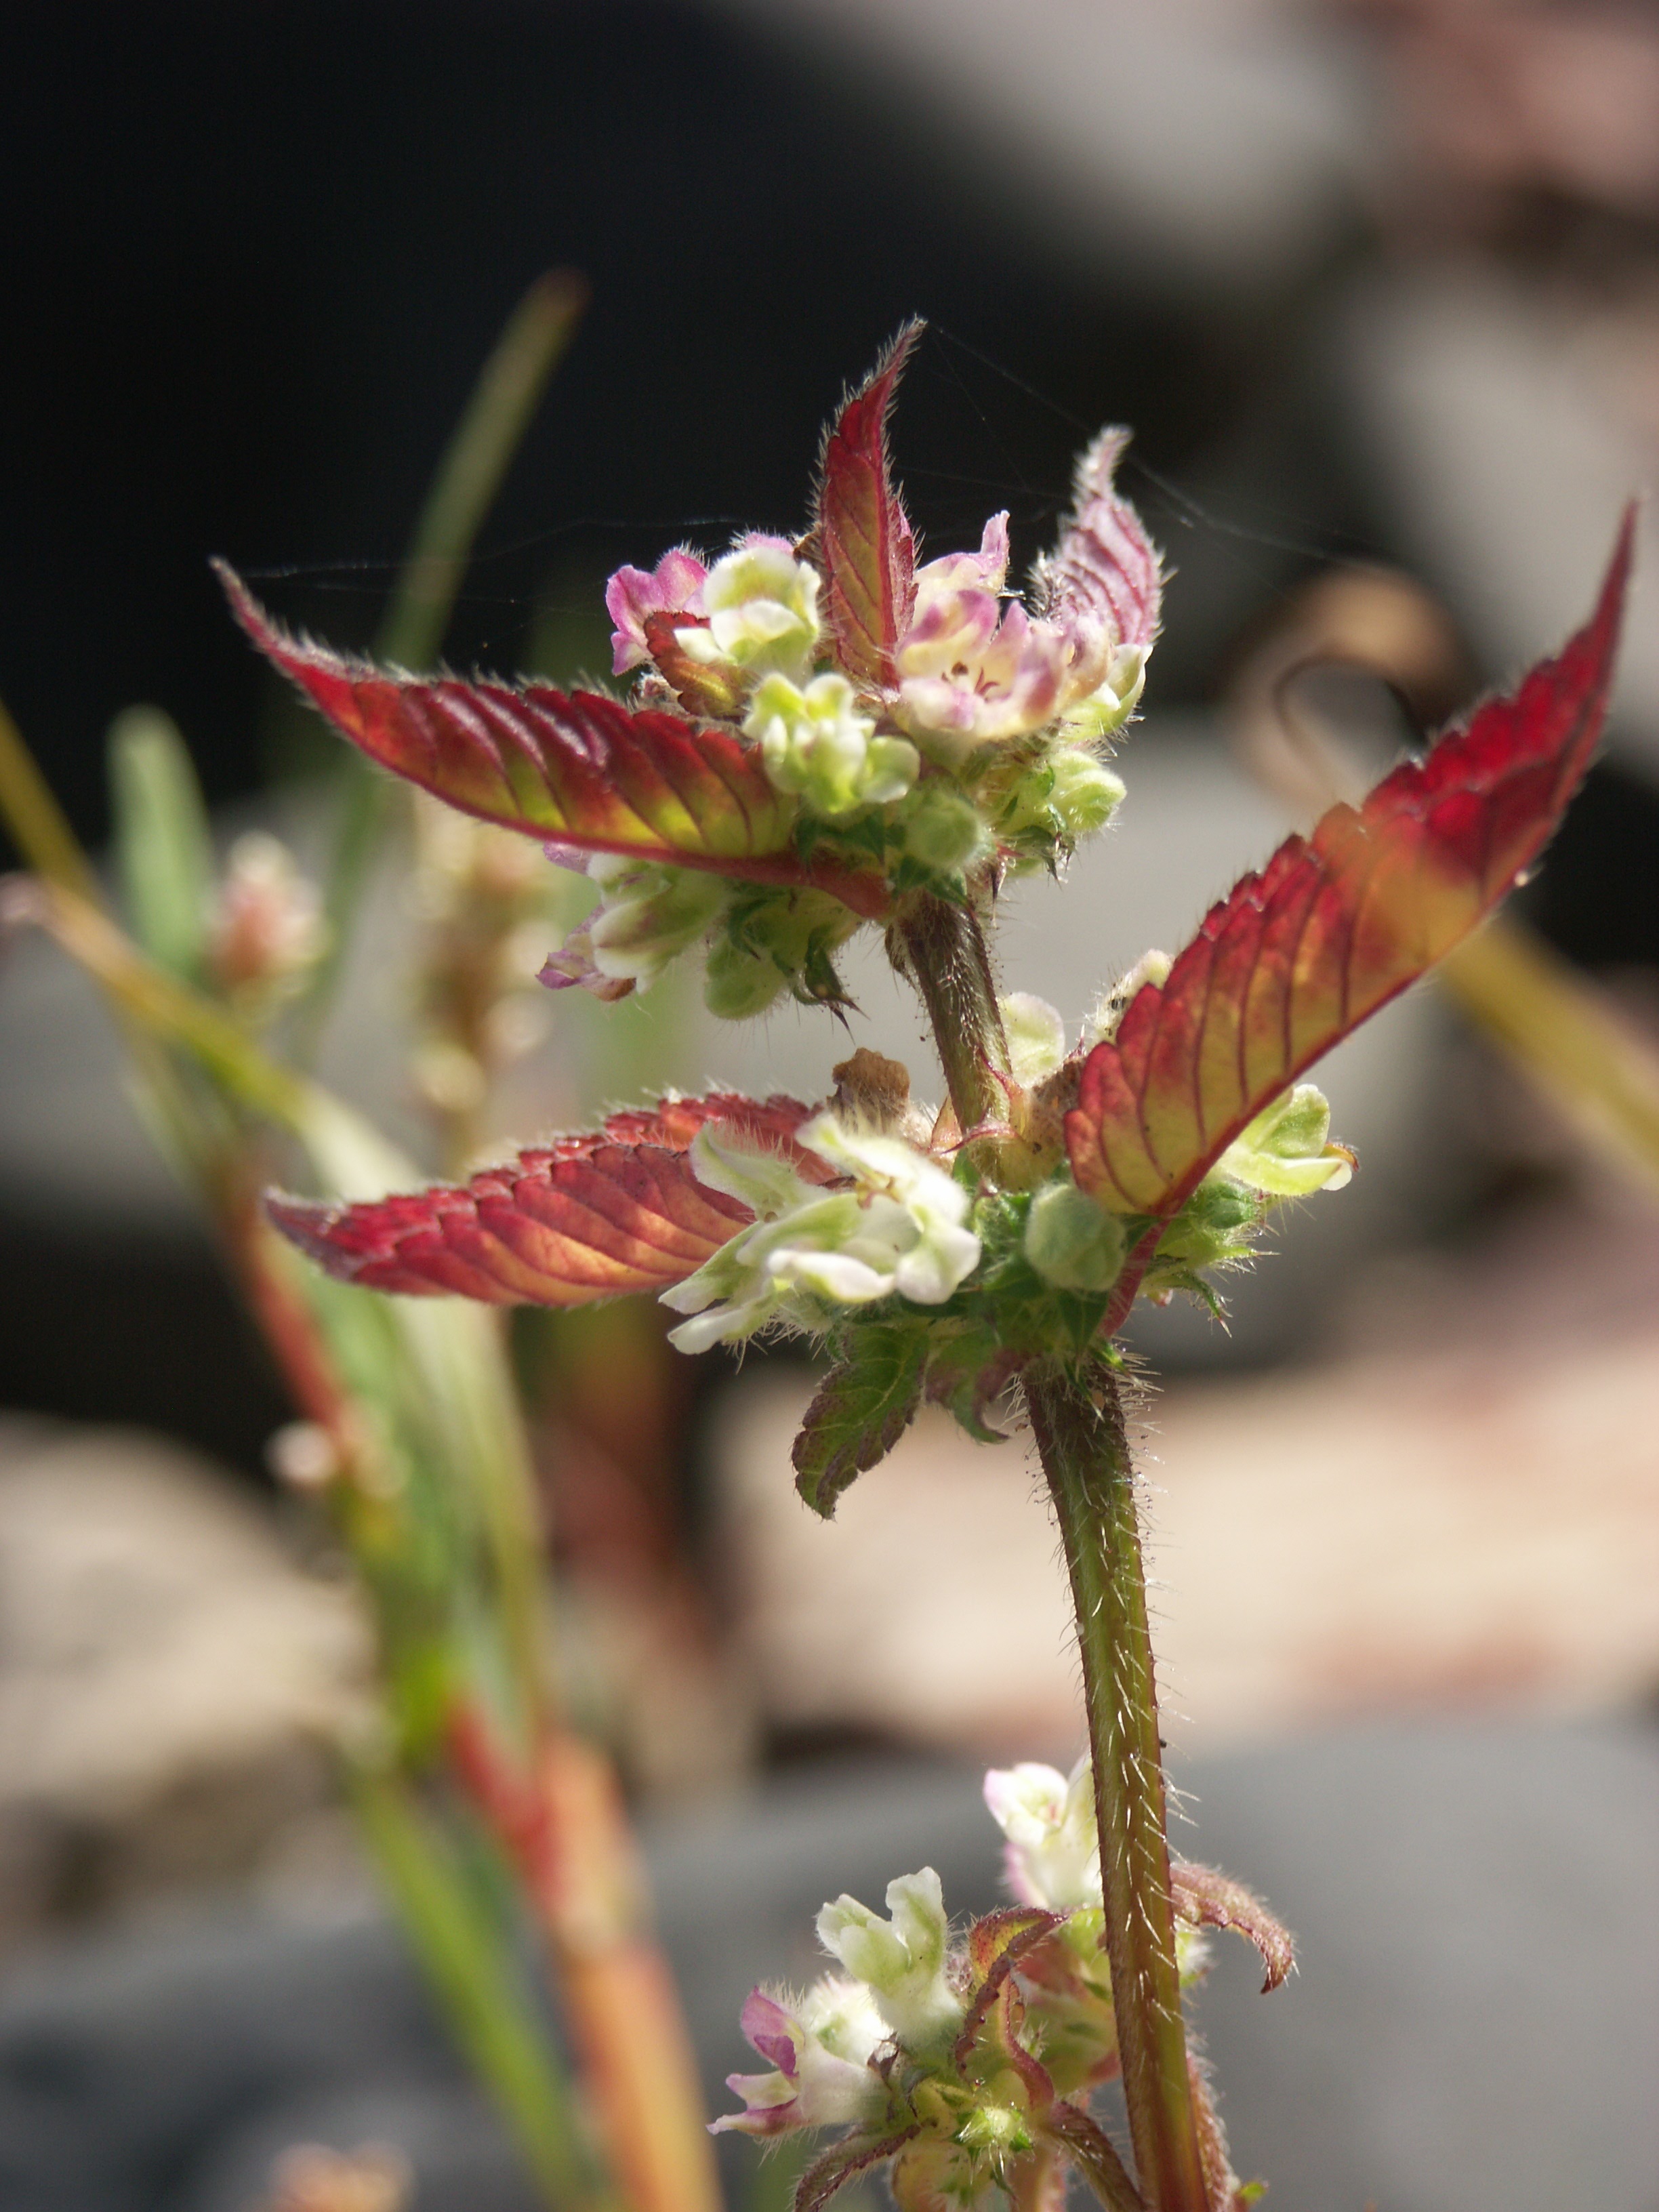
469, 1959
163, 847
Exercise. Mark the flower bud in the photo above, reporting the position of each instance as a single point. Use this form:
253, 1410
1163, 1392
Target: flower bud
647, 915
1109, 708
739, 983
1037, 1035
943, 828
1213, 1226
817, 747
1085, 794
1071, 1242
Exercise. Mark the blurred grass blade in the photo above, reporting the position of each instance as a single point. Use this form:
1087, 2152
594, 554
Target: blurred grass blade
348, 1152
163, 848
1568, 1037
502, 405
463, 1952
36, 821
503, 402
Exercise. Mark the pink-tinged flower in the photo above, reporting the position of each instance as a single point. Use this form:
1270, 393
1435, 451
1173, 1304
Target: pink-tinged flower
1053, 1854
957, 606
674, 586
971, 673
571, 967
819, 2047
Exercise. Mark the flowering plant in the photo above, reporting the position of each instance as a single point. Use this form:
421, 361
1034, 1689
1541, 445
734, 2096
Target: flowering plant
824, 734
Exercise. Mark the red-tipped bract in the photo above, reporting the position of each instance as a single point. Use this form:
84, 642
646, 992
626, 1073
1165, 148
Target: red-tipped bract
576, 767
863, 535
562, 1224
1336, 924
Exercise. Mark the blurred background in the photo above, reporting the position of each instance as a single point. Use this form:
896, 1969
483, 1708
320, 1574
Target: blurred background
1378, 287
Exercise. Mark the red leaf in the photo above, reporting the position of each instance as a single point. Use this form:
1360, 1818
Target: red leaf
577, 767
581, 1218
1106, 566
1205, 1898
1337, 925
863, 535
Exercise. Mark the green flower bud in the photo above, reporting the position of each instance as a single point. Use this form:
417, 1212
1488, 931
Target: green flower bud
740, 983
1071, 1242
1213, 1226
943, 828
1037, 1035
1002, 2128
1085, 795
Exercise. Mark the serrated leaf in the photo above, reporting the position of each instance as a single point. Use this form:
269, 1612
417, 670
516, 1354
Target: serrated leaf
967, 1374
1205, 1898
581, 1218
863, 1407
863, 535
1106, 566
1335, 926
575, 767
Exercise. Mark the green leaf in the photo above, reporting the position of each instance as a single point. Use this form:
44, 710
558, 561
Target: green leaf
967, 1372
863, 1407
163, 850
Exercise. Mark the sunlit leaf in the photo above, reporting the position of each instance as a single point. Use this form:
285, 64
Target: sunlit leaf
863, 535
1335, 926
1105, 566
575, 767
577, 1219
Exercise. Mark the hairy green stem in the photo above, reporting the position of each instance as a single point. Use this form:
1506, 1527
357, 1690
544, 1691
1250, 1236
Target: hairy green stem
941, 948
1080, 1433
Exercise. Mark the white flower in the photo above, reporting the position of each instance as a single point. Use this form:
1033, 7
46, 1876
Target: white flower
816, 745
1284, 1151
1107, 707
903, 1959
902, 1229
820, 2046
762, 608
1048, 1818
